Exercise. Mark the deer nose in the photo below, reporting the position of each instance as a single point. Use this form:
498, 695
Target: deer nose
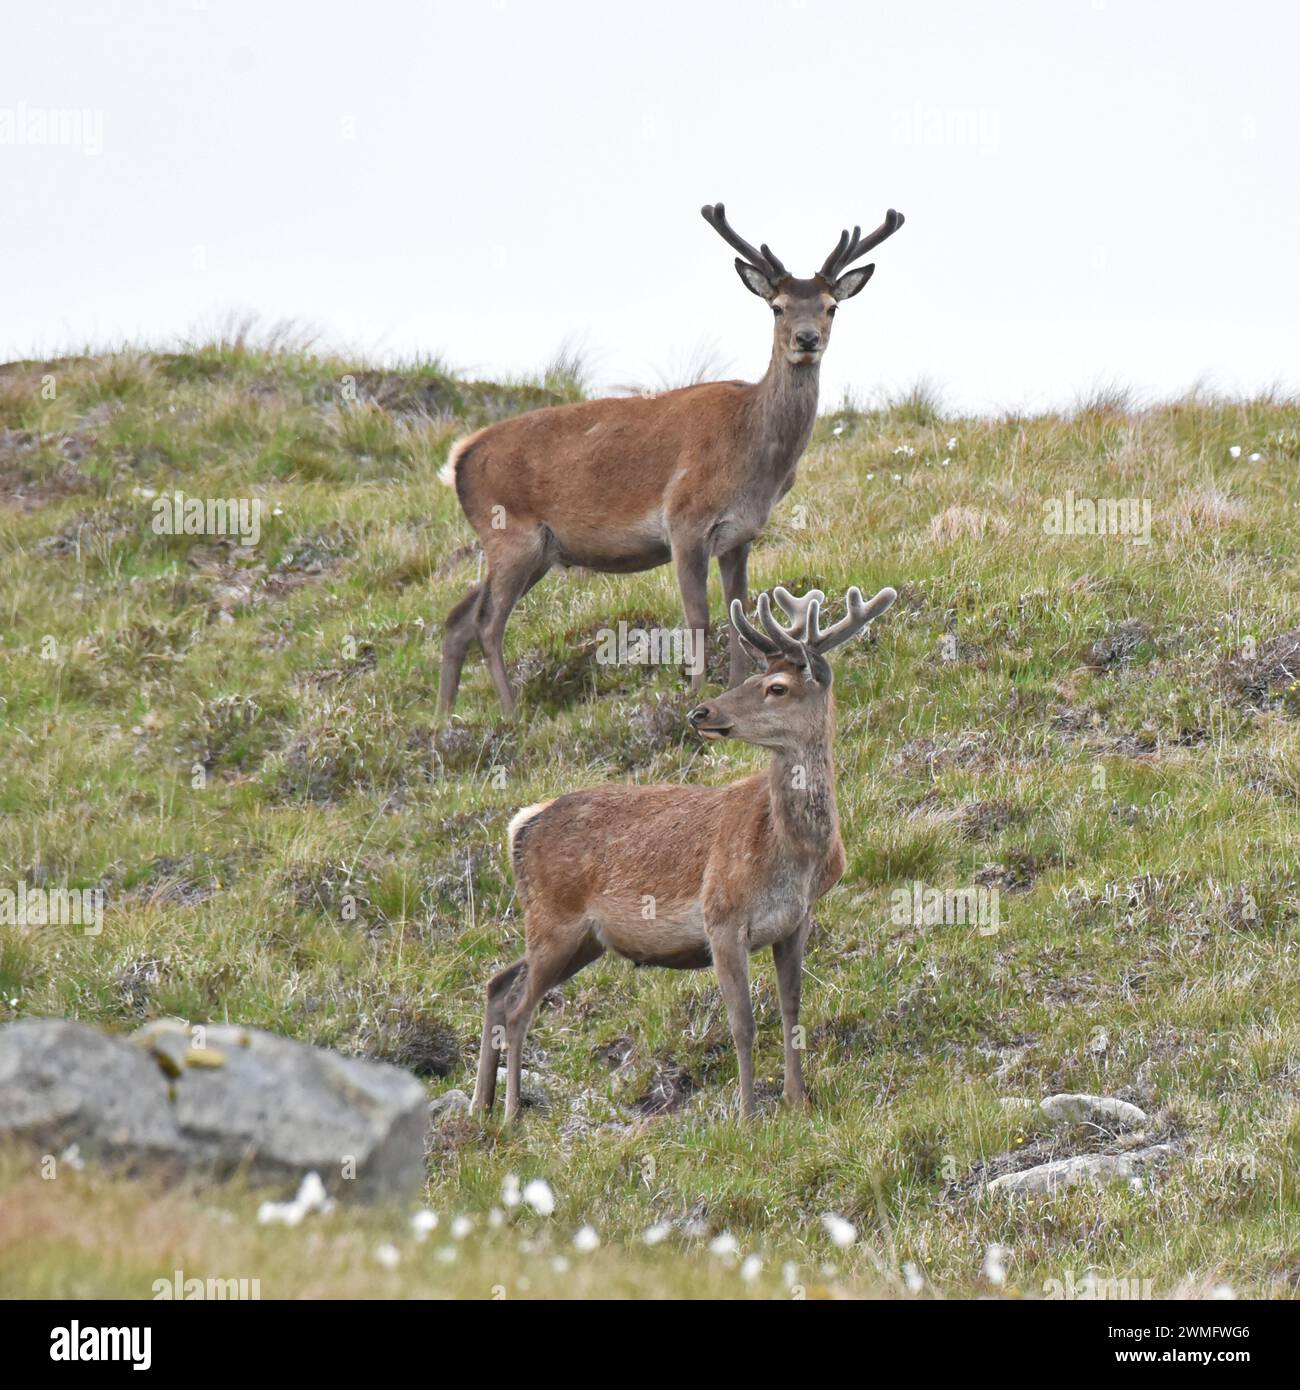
807, 338
698, 715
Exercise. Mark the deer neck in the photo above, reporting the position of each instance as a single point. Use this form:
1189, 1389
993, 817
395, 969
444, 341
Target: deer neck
801, 785
785, 410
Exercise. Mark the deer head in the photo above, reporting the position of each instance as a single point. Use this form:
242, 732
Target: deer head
803, 309
787, 702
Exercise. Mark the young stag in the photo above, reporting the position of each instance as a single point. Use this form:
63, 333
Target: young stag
630, 483
688, 877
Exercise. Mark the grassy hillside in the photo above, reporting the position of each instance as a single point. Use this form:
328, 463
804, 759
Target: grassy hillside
240, 746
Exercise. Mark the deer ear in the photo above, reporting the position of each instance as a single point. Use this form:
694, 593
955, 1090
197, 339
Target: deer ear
819, 669
852, 281
754, 280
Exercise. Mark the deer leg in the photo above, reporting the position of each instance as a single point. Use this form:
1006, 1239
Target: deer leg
506, 584
494, 1034
547, 968
459, 631
734, 569
788, 955
731, 961
691, 561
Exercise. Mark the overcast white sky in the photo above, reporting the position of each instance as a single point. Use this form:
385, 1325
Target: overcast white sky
1095, 190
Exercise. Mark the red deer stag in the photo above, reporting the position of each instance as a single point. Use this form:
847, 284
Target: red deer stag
633, 482
688, 877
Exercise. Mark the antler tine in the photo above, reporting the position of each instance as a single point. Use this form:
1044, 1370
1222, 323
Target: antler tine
860, 613
716, 216
749, 632
789, 645
798, 610
852, 248
831, 262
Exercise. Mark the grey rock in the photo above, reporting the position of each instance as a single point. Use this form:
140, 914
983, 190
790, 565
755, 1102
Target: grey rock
63, 1084
1103, 1111
448, 1104
531, 1089
1093, 1168
245, 1102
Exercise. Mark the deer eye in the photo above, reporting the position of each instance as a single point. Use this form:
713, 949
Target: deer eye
777, 310
830, 313
776, 690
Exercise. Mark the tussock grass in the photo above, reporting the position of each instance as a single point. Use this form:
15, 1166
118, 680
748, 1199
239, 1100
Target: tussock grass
239, 745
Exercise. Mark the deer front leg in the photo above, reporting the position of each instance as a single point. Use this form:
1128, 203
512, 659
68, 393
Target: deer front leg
734, 569
788, 955
731, 961
691, 562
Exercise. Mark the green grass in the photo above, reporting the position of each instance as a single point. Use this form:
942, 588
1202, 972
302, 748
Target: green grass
240, 746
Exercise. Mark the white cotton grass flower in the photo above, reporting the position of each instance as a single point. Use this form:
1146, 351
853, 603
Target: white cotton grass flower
725, 1246
898, 477
311, 1197
560, 1265
842, 1233
838, 430
750, 1268
660, 1231
952, 443
870, 476
943, 463
510, 1191
423, 1222
539, 1196
448, 1255
496, 1218
913, 1278
1234, 451
460, 1227
586, 1240
1223, 1292
1254, 458
995, 1269
389, 1256
790, 1274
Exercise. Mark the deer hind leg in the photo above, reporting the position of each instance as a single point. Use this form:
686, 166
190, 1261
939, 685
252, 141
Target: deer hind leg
494, 1034
509, 578
549, 965
731, 961
733, 566
691, 562
788, 956
460, 631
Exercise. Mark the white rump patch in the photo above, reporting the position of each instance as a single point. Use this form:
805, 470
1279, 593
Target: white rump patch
447, 473
521, 818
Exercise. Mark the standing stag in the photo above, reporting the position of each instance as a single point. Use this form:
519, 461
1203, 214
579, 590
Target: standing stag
688, 877
630, 483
